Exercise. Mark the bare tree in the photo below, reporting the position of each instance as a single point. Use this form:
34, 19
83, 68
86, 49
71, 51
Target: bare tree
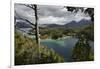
34, 8
34, 26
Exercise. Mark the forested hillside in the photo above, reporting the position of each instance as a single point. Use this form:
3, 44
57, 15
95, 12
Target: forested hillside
27, 52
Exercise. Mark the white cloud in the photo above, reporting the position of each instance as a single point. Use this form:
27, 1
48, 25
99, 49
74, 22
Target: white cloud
79, 16
51, 20
50, 14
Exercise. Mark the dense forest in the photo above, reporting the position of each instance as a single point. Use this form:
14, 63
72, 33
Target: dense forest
55, 33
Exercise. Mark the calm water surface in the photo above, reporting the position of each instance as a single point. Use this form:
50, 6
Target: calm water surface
63, 46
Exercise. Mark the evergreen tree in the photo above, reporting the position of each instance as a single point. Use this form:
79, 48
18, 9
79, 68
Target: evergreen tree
82, 50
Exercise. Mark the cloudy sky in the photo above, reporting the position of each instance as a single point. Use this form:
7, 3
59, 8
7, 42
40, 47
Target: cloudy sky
50, 14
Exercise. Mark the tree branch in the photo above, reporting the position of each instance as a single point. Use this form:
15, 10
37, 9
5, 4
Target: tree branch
30, 6
25, 20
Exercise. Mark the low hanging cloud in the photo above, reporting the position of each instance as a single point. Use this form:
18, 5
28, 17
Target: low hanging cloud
51, 19
51, 14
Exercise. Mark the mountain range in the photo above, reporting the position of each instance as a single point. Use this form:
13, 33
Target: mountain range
72, 24
23, 25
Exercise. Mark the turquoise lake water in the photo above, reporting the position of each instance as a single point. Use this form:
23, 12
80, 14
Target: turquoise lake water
63, 46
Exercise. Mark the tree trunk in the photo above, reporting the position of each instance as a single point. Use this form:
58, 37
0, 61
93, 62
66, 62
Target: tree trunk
37, 29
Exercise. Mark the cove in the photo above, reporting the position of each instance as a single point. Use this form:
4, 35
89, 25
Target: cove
63, 46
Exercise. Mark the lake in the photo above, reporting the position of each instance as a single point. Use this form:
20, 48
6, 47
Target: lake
63, 46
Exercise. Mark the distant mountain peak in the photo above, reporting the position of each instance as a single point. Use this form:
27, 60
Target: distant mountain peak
72, 24
84, 21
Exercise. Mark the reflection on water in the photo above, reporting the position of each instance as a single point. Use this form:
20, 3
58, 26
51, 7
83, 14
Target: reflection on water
62, 46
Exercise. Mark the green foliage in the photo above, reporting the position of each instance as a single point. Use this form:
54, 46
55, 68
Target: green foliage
88, 32
27, 52
44, 36
56, 36
51, 33
82, 51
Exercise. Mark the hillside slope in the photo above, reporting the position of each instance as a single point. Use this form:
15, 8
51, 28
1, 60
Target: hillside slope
27, 52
